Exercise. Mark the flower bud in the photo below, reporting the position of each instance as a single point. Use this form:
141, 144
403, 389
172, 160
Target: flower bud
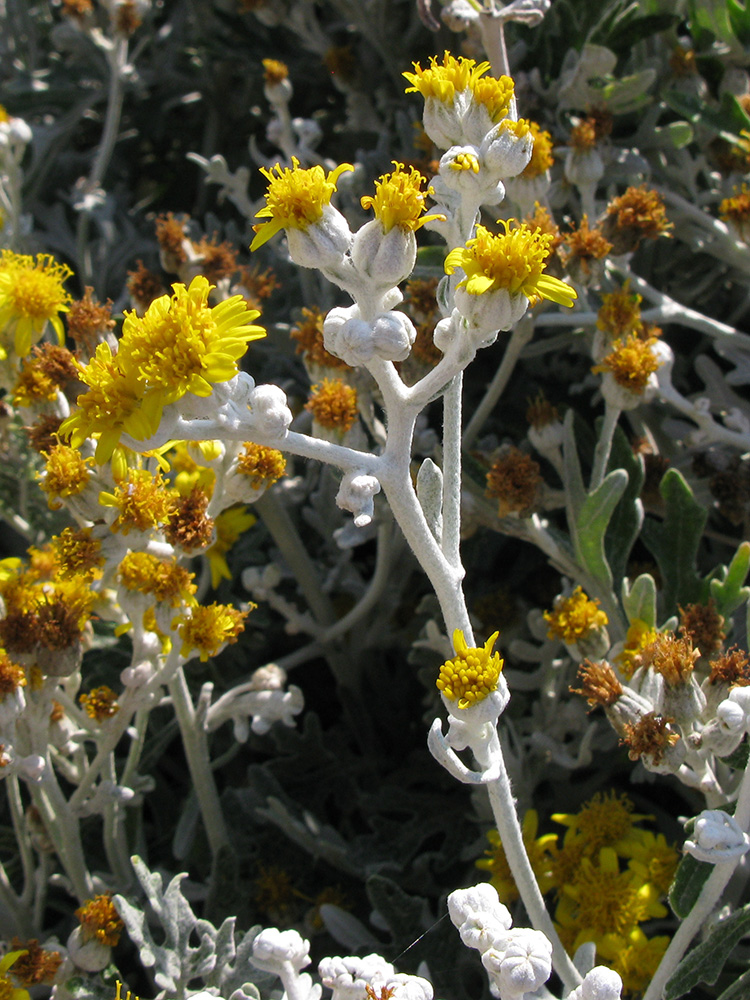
384, 258
717, 837
271, 415
323, 244
504, 152
356, 495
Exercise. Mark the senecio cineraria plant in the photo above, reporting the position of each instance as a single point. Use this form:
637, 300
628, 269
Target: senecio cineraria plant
155, 442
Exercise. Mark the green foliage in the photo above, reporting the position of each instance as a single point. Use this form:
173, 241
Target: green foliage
674, 542
705, 962
690, 877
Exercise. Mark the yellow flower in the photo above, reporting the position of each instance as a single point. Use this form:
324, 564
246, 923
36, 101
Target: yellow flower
116, 403
604, 821
181, 344
444, 81
604, 901
399, 200
540, 850
66, 473
100, 921
143, 501
639, 635
208, 628
100, 703
263, 466
574, 618
631, 362
230, 524
652, 859
495, 95
295, 198
31, 295
635, 958
513, 260
164, 579
8, 989
541, 155
333, 403
472, 673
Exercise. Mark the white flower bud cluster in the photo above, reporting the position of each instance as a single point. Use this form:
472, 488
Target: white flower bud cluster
356, 494
286, 953
349, 978
600, 983
357, 341
717, 837
518, 960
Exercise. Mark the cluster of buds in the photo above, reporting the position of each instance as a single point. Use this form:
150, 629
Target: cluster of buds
518, 960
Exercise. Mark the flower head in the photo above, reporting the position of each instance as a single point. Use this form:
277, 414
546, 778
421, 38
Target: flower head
513, 261
100, 703
66, 473
206, 628
8, 989
444, 81
34, 965
472, 673
631, 362
263, 466
143, 501
638, 214
333, 404
575, 617
163, 579
295, 198
514, 480
399, 199
541, 156
181, 344
31, 295
100, 921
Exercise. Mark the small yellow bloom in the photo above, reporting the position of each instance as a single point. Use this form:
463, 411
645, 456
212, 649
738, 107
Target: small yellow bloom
399, 199
333, 403
100, 921
473, 672
541, 155
444, 81
465, 162
295, 198
263, 466
274, 71
208, 628
513, 260
574, 618
496, 95
31, 295
66, 473
100, 703
639, 635
164, 579
143, 501
631, 362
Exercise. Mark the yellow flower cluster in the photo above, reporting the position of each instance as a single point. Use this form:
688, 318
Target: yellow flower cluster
455, 75
180, 345
608, 877
399, 199
31, 296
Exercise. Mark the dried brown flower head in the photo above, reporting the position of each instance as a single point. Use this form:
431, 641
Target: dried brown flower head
731, 667
170, 235
514, 480
583, 246
37, 965
671, 657
638, 214
219, 259
651, 736
704, 626
189, 527
599, 684
144, 286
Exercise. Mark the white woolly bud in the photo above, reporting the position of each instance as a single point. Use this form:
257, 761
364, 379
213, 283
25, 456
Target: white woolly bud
462, 170
523, 964
91, 956
717, 837
583, 167
442, 121
271, 415
356, 341
600, 983
384, 258
349, 977
504, 153
479, 916
356, 494
490, 312
273, 948
323, 244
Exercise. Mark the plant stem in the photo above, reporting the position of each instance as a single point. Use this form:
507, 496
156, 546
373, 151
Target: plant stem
506, 820
604, 445
451, 537
196, 751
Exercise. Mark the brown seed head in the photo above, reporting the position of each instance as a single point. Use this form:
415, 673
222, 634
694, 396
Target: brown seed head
704, 626
189, 527
599, 684
514, 480
638, 214
650, 736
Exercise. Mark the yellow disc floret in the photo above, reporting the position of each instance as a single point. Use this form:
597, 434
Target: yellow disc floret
631, 362
100, 921
473, 672
295, 198
31, 295
66, 473
513, 260
495, 94
574, 618
399, 199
